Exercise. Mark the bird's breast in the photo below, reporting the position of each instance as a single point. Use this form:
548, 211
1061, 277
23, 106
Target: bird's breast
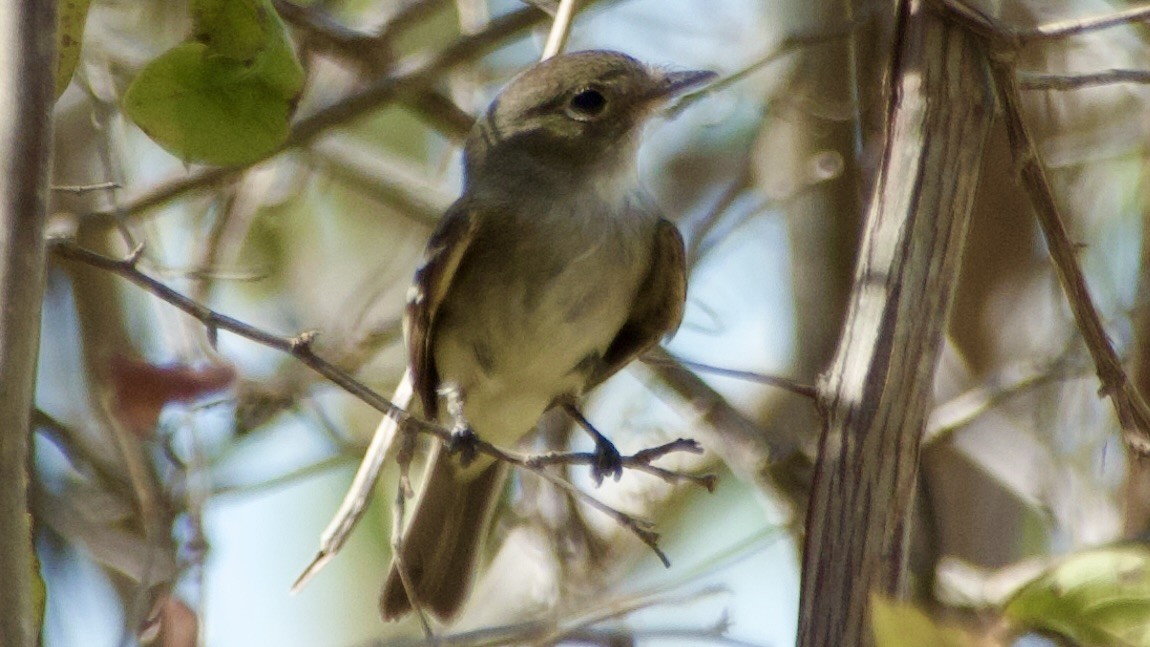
534, 304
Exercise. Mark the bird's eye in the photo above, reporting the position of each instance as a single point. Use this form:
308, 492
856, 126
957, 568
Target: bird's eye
586, 104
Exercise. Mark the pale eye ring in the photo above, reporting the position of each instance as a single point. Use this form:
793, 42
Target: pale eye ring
586, 104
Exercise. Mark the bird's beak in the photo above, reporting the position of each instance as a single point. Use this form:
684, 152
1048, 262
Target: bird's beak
672, 84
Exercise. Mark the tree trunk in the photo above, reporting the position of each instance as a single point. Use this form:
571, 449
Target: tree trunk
26, 72
875, 396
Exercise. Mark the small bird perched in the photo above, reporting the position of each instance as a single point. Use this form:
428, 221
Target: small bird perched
550, 273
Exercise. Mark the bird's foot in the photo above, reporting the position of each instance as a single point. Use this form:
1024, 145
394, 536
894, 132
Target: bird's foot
463, 443
607, 460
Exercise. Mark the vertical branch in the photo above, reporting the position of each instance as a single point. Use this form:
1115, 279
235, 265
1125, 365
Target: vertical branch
26, 73
876, 393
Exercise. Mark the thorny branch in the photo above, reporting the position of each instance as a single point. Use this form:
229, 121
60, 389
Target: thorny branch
1133, 414
300, 347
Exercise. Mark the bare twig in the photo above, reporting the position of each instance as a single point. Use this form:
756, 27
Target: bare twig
640, 461
408, 15
372, 54
788, 45
552, 631
1132, 412
1075, 26
80, 189
560, 28
330, 35
785, 383
298, 346
964, 408
1030, 81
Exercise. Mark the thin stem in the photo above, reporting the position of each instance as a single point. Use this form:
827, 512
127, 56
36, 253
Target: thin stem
560, 29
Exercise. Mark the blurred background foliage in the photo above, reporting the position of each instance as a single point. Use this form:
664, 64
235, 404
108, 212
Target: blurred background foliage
181, 485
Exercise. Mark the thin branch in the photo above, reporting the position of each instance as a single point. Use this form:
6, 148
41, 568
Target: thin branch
80, 189
332, 36
642, 529
298, 346
560, 29
640, 461
1132, 412
550, 631
788, 45
784, 383
1011, 37
1131, 409
372, 53
410, 14
1075, 26
966, 407
1031, 81
288, 478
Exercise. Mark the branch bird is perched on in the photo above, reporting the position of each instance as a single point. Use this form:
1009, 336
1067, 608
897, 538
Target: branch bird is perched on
550, 273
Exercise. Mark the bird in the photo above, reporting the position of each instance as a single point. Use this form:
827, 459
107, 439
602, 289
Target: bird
551, 272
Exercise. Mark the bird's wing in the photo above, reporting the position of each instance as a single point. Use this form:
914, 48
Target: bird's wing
658, 305
441, 258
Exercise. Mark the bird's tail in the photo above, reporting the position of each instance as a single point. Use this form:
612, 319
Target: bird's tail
441, 545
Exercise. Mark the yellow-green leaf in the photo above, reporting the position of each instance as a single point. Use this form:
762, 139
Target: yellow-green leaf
902, 625
1095, 597
70, 18
250, 31
206, 108
225, 97
235, 29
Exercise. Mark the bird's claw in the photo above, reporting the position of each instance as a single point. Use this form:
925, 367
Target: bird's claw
606, 462
463, 443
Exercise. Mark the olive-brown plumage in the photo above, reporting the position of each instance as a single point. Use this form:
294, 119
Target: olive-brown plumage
550, 273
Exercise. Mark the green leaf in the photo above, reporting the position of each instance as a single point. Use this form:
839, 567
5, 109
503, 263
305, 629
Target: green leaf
237, 29
250, 31
225, 97
1095, 597
207, 109
902, 625
70, 18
